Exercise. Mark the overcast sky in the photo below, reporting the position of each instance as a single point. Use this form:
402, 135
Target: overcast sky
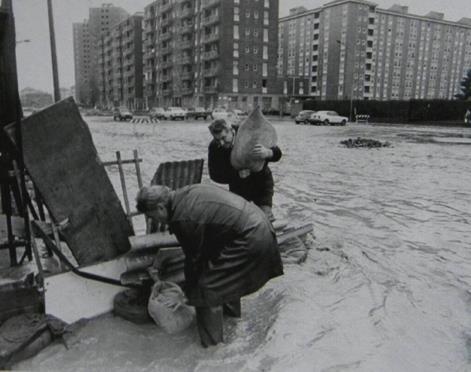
34, 59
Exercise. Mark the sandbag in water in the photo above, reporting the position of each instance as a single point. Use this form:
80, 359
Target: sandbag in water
254, 130
168, 309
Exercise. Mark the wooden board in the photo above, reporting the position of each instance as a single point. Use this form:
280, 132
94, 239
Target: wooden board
63, 162
70, 297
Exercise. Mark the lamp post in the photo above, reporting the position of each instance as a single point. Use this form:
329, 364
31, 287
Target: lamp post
339, 42
52, 35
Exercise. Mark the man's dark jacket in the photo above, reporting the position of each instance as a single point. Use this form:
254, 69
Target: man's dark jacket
258, 187
230, 246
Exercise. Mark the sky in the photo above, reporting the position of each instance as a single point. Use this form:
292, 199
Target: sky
34, 57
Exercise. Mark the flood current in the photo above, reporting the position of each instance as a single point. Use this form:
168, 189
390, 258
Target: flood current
386, 286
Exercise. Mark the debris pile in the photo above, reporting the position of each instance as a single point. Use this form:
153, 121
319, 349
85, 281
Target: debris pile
364, 143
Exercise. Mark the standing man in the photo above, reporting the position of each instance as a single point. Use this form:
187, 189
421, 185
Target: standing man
229, 245
256, 187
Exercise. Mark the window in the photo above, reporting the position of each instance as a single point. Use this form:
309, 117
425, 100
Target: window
247, 31
236, 32
255, 32
247, 49
247, 13
247, 67
265, 35
254, 84
235, 67
236, 14
255, 14
267, 3
235, 85
255, 50
264, 69
265, 52
255, 67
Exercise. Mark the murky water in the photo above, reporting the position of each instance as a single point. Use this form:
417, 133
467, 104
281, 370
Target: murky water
387, 286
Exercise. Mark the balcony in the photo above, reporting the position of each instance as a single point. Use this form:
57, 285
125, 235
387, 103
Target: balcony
187, 75
213, 54
166, 64
187, 12
210, 89
165, 36
208, 21
211, 72
187, 29
164, 50
187, 91
165, 78
166, 7
186, 60
210, 3
210, 38
187, 44
165, 22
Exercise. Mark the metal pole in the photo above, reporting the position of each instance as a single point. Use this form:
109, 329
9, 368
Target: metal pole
55, 73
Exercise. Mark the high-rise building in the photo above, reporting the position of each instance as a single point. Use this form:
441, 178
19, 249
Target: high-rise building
212, 53
87, 36
120, 65
351, 49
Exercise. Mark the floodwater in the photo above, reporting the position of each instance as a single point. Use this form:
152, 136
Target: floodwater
386, 287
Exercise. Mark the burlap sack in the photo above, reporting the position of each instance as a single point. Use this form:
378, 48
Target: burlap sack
168, 309
254, 130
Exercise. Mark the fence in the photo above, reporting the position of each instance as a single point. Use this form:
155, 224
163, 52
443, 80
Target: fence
413, 111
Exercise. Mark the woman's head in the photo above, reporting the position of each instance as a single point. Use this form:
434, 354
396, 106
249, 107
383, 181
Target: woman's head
153, 202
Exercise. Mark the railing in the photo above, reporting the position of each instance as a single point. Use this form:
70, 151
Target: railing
210, 89
185, 60
186, 44
209, 38
166, 7
187, 29
187, 91
210, 72
210, 20
209, 3
213, 54
165, 36
187, 76
186, 13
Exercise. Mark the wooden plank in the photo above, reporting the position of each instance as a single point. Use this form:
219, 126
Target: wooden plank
138, 169
124, 161
64, 165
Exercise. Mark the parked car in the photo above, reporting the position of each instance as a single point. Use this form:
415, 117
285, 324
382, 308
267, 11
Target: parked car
328, 118
198, 112
173, 113
222, 113
157, 113
240, 114
122, 113
303, 117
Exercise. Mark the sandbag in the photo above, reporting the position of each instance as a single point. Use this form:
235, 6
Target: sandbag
168, 309
254, 130
25, 335
131, 305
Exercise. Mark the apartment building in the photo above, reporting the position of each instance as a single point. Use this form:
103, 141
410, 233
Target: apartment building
120, 65
351, 49
211, 53
87, 36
